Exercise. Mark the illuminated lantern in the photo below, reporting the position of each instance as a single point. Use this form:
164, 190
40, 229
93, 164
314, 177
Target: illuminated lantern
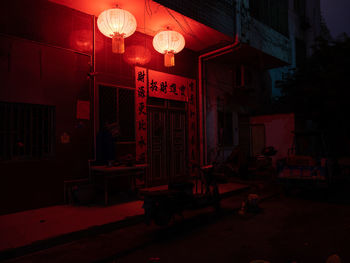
117, 24
168, 43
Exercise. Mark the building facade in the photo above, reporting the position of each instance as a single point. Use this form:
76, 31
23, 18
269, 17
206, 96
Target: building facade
61, 86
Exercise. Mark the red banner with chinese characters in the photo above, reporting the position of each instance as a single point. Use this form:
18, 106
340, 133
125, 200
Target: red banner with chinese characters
141, 114
192, 120
167, 86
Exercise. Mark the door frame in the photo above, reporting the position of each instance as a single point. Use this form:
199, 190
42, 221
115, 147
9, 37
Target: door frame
166, 108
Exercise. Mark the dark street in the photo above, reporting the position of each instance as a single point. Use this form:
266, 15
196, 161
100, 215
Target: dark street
290, 229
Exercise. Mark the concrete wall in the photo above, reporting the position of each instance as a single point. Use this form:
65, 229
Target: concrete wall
278, 132
219, 83
222, 93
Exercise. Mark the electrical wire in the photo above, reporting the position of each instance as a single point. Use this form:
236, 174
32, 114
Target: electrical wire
182, 28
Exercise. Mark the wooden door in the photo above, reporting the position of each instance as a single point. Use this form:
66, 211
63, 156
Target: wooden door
157, 147
177, 145
166, 146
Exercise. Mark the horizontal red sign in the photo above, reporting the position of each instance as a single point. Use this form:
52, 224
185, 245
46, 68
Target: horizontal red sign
167, 86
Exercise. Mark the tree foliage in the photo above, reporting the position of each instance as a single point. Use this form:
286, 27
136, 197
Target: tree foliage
320, 89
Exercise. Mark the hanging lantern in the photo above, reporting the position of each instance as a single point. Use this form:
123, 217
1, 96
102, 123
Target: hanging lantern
117, 24
169, 43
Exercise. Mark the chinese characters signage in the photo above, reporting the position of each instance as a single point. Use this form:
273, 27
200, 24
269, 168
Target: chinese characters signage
192, 121
141, 114
167, 86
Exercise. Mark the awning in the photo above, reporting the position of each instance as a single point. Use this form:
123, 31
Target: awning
247, 55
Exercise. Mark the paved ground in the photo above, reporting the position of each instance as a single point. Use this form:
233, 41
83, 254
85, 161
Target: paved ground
290, 229
33, 226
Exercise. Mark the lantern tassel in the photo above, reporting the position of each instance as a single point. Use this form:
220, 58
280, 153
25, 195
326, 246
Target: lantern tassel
118, 43
169, 59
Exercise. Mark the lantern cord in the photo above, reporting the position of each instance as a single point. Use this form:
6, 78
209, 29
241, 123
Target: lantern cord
182, 28
177, 21
188, 25
144, 24
148, 7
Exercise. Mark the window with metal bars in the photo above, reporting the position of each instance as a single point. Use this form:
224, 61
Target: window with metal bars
27, 131
273, 13
117, 105
300, 7
300, 52
224, 125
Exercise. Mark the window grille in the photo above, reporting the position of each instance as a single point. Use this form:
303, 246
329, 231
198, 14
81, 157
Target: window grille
300, 51
224, 125
273, 13
118, 105
107, 105
177, 104
126, 113
27, 131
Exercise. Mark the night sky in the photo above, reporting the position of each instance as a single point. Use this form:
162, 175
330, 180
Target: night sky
337, 16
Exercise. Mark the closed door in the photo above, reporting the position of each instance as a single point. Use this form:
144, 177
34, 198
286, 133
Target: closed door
166, 146
176, 145
157, 147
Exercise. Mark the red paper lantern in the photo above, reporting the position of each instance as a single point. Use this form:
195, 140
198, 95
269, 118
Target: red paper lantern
117, 24
168, 43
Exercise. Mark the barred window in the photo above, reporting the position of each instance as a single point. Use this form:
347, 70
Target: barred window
300, 51
117, 105
225, 128
273, 13
300, 7
224, 124
27, 131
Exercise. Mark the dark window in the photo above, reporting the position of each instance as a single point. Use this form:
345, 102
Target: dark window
177, 104
300, 52
225, 128
108, 105
126, 114
238, 77
27, 131
273, 13
117, 105
156, 102
242, 76
299, 7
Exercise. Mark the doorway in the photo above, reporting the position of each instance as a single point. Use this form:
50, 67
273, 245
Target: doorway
167, 149
257, 133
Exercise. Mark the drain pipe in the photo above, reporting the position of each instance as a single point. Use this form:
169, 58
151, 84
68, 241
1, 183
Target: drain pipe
202, 94
93, 93
94, 81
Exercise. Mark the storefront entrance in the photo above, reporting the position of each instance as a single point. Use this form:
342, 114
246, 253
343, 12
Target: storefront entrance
166, 141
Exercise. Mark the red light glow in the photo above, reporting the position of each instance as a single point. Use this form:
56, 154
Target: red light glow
137, 54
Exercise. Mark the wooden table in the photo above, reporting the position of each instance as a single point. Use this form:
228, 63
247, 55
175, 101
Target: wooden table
109, 172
